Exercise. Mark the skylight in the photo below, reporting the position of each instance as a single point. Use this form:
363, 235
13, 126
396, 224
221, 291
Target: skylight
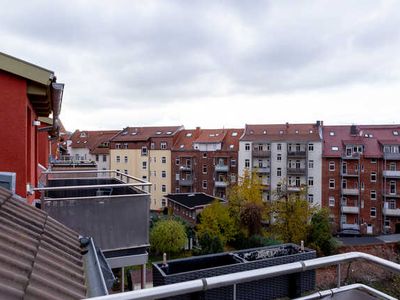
231, 146
158, 132
189, 134
395, 132
335, 148
297, 132
234, 133
211, 135
134, 133
280, 131
264, 132
182, 146
311, 131
125, 133
169, 132
331, 133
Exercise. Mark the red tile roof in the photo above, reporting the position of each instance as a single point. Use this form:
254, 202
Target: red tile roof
371, 136
281, 132
39, 257
142, 134
92, 140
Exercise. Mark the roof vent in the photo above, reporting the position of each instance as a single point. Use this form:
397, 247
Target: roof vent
353, 130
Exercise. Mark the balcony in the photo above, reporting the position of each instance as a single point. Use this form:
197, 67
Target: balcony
221, 184
221, 168
262, 170
297, 153
186, 182
351, 156
392, 195
345, 226
350, 209
261, 153
391, 174
351, 192
391, 156
186, 168
391, 212
296, 171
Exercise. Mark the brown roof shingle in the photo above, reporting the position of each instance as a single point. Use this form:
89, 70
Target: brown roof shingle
141, 134
39, 257
92, 140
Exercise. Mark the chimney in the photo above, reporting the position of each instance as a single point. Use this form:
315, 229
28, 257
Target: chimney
353, 130
320, 123
287, 125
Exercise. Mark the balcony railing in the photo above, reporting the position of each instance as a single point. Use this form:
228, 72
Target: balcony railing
355, 155
262, 169
293, 188
301, 153
391, 212
221, 168
296, 171
221, 184
391, 174
209, 283
186, 182
261, 153
349, 173
185, 168
350, 209
351, 192
391, 156
345, 226
392, 195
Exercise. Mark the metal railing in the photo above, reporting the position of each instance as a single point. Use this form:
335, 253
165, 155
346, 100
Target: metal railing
201, 285
125, 179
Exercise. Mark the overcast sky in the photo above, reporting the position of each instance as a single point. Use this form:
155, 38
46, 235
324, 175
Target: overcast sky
213, 63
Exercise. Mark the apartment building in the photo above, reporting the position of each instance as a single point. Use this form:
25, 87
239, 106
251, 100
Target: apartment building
145, 153
28, 93
86, 145
284, 154
360, 178
205, 161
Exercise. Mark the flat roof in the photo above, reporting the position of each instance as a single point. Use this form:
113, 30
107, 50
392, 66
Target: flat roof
192, 200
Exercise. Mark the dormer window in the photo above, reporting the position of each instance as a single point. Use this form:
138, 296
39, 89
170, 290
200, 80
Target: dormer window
83, 135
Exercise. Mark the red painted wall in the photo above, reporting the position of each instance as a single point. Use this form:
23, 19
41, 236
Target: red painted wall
18, 150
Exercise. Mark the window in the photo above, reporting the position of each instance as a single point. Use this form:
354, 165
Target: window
118, 159
373, 177
331, 184
310, 198
97, 157
163, 160
104, 158
163, 188
177, 161
177, 176
310, 181
331, 201
163, 202
117, 146
362, 185
154, 159
204, 184
177, 190
331, 166
279, 147
247, 163
310, 147
233, 163
204, 169
279, 172
279, 157
152, 146
392, 166
373, 212
393, 187
163, 145
373, 195
125, 159
310, 164
279, 188
125, 145
373, 161
144, 165
204, 155
247, 147
144, 151
233, 178
126, 172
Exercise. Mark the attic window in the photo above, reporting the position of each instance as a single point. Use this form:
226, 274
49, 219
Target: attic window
182, 146
231, 146
234, 133
189, 134
331, 133
158, 132
335, 148
395, 132
169, 132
